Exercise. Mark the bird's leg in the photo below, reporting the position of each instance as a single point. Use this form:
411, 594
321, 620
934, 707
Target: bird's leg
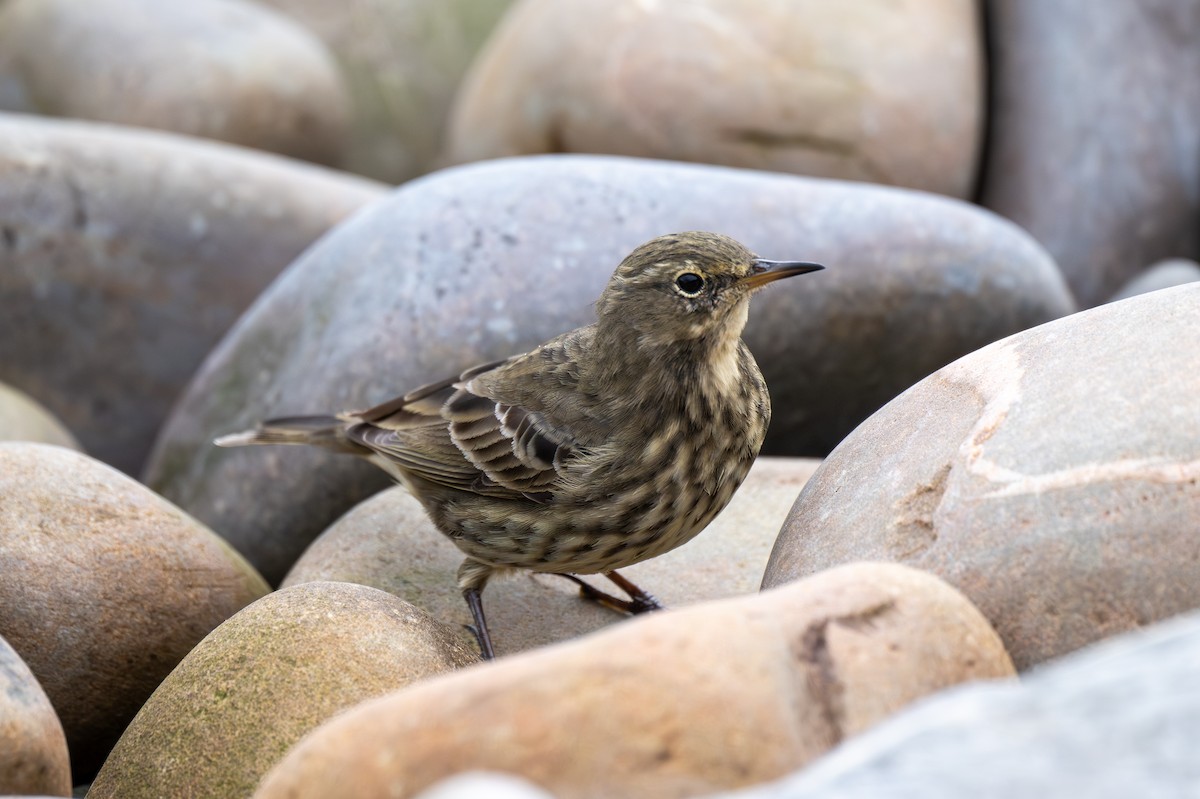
479, 628
639, 601
472, 577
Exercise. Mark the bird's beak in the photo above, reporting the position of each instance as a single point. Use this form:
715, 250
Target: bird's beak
763, 271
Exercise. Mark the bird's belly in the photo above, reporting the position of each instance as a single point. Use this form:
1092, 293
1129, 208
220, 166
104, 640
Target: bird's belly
596, 536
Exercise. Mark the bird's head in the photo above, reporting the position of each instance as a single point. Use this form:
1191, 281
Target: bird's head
687, 286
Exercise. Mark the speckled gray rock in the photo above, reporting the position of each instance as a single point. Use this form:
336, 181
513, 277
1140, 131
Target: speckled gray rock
33, 749
23, 419
1117, 720
402, 62
1095, 130
126, 254
483, 261
388, 542
1053, 477
220, 69
264, 678
106, 587
883, 92
1162, 275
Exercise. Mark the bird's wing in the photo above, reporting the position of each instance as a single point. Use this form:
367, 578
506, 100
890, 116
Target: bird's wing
468, 433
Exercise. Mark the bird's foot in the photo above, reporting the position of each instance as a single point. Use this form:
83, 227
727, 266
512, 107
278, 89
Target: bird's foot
639, 601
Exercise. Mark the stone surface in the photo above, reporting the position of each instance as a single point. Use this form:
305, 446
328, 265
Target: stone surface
402, 62
1118, 720
1093, 148
677, 703
1053, 477
33, 749
23, 419
256, 684
489, 784
125, 255
484, 261
388, 542
877, 91
219, 69
106, 587
1162, 275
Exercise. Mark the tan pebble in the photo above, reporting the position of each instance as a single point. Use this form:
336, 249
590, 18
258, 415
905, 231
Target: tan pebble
264, 678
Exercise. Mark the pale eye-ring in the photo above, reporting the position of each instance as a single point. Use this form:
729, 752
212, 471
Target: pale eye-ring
689, 284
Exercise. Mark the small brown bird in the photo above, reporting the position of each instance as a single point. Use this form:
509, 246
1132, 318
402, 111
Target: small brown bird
606, 446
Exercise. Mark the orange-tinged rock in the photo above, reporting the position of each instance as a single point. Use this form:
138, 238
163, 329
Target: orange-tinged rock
106, 586
675, 704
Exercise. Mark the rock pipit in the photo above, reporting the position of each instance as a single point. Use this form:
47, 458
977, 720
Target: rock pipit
608, 445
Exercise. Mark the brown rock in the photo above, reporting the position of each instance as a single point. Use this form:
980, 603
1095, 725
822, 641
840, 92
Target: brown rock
674, 704
106, 587
1052, 477
23, 419
219, 69
126, 254
33, 749
496, 258
1095, 130
388, 542
256, 684
402, 62
882, 92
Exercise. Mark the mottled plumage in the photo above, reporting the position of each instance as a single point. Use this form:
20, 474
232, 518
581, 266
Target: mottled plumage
608, 445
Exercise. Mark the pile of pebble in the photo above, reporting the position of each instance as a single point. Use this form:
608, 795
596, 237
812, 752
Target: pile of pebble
965, 563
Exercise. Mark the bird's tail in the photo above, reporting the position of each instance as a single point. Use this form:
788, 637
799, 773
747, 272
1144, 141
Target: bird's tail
328, 432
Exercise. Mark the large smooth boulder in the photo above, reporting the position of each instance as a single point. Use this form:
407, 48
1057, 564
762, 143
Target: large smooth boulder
677, 703
883, 92
1117, 720
1053, 477
480, 262
401, 62
1094, 133
256, 684
125, 255
389, 542
106, 587
220, 69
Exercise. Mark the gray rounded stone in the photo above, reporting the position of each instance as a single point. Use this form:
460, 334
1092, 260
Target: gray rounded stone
1162, 275
125, 255
484, 261
1052, 477
1094, 133
33, 749
219, 69
106, 587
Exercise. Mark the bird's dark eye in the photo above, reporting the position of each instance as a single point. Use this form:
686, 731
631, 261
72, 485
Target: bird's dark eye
689, 283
